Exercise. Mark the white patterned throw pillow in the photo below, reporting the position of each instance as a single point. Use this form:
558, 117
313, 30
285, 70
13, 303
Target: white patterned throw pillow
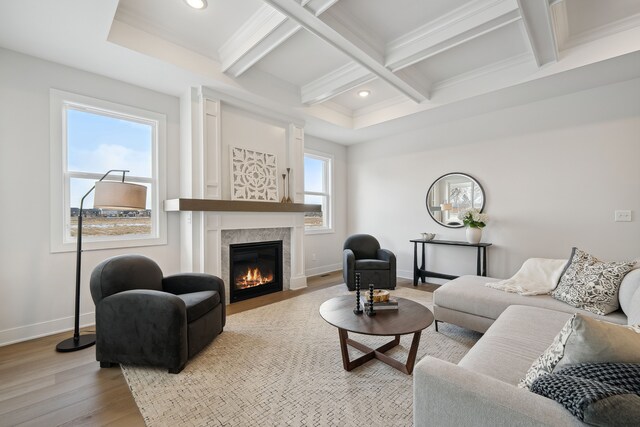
548, 360
586, 340
591, 284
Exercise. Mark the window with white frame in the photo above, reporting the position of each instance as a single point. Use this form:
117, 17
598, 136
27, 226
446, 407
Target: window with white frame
90, 137
317, 190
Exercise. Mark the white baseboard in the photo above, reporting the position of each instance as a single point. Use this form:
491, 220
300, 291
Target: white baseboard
406, 274
298, 282
42, 329
315, 271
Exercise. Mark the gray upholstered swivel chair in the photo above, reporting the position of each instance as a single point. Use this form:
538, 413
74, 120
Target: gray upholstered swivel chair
145, 319
362, 254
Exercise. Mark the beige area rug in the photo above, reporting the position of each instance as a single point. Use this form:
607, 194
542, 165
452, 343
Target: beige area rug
280, 365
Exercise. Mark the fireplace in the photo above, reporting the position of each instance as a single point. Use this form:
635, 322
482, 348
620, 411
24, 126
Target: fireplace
255, 269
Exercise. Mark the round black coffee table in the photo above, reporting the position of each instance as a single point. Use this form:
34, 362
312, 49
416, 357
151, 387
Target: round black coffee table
410, 318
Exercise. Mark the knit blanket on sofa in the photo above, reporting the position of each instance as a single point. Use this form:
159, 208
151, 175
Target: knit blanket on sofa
602, 394
537, 276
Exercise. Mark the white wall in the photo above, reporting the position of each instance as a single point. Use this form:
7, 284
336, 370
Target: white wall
553, 171
37, 287
327, 247
242, 129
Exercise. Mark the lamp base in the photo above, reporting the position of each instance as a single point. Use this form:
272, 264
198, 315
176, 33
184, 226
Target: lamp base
71, 344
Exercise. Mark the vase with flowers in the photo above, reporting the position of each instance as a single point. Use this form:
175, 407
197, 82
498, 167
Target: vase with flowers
475, 222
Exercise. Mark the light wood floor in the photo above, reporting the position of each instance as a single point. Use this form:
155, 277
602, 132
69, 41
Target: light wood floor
40, 387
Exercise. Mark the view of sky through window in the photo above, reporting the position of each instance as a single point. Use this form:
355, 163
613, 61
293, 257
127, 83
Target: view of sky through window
313, 174
97, 143
316, 181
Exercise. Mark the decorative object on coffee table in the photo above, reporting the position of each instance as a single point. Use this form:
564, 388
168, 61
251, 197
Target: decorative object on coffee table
380, 295
389, 304
370, 311
410, 318
358, 309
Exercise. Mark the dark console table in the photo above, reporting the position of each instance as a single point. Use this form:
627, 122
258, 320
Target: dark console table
421, 272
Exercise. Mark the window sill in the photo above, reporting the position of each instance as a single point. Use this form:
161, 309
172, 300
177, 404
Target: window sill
108, 244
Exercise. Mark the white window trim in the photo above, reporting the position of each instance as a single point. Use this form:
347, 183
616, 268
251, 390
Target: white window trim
59, 191
329, 176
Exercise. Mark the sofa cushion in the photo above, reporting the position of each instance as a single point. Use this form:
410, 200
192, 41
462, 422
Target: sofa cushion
513, 342
629, 288
468, 294
634, 313
199, 303
371, 264
591, 284
586, 340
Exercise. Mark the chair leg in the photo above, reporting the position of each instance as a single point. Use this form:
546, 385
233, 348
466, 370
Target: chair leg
176, 370
107, 364
436, 324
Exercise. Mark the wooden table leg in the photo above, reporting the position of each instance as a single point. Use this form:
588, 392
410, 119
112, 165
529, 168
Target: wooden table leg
415, 264
413, 352
378, 353
484, 262
424, 263
343, 348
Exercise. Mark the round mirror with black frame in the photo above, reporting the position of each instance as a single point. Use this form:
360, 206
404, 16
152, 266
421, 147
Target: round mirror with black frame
452, 193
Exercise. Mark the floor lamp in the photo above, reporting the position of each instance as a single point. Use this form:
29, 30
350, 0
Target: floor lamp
109, 195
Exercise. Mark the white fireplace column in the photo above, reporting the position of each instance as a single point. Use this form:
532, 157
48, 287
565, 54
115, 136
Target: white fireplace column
201, 152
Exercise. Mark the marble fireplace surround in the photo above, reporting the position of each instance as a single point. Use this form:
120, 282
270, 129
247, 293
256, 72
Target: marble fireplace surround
231, 237
224, 228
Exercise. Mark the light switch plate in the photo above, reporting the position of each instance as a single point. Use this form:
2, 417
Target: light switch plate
623, 216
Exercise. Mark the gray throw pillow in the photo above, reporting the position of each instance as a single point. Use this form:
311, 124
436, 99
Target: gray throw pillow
586, 340
591, 284
601, 394
622, 410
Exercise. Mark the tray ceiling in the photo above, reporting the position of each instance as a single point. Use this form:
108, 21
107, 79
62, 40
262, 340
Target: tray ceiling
309, 58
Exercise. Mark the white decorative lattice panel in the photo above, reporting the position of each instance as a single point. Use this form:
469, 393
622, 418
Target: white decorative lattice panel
253, 175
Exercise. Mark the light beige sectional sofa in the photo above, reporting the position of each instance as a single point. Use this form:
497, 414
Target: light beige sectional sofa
482, 389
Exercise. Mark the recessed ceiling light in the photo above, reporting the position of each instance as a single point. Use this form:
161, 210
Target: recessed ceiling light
363, 93
196, 4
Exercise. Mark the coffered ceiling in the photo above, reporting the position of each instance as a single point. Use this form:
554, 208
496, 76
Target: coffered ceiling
310, 58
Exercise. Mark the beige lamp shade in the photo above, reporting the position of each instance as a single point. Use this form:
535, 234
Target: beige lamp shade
445, 207
120, 195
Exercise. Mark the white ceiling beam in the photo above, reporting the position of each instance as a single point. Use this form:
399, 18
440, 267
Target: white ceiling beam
318, 6
249, 42
264, 31
335, 83
353, 48
537, 19
457, 27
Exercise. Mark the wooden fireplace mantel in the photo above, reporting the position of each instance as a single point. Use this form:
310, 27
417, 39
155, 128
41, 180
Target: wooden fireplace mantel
179, 205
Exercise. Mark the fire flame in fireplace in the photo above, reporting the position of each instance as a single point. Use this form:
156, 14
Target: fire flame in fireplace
253, 277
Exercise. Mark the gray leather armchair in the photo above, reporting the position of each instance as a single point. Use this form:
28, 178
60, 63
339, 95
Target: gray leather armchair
145, 319
362, 254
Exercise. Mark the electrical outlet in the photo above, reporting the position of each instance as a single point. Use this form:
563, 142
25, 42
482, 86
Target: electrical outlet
623, 216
